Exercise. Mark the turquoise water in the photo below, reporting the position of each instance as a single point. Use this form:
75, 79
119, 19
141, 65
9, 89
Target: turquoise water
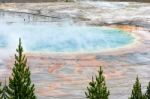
46, 37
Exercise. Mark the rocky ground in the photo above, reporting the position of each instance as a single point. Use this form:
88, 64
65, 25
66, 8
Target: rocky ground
65, 76
93, 13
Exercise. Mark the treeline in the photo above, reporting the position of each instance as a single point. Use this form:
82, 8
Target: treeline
98, 90
20, 85
33, 1
129, 0
39, 1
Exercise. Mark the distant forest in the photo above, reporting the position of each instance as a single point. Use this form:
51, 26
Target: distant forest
38, 1
131, 0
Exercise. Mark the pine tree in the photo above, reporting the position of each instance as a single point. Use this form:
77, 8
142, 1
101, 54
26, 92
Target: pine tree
136, 91
0, 89
97, 88
147, 94
20, 86
4, 94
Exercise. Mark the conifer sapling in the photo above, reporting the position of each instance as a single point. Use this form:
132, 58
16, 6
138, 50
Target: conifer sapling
20, 86
97, 88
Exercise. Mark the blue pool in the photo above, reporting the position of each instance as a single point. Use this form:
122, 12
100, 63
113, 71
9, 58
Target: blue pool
46, 37
41, 34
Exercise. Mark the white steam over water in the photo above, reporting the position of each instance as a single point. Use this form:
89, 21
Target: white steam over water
40, 36
47, 37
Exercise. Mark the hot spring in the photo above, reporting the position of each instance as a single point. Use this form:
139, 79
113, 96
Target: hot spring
53, 37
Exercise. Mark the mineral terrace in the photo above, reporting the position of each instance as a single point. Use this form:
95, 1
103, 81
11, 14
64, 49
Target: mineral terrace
66, 76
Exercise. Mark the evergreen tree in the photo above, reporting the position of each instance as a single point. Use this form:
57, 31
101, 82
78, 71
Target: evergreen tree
97, 88
20, 86
4, 94
136, 91
147, 94
0, 89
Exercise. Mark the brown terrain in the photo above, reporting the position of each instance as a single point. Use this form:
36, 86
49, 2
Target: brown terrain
38, 1
66, 76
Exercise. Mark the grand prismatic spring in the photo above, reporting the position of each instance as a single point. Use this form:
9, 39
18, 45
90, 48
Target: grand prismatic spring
65, 44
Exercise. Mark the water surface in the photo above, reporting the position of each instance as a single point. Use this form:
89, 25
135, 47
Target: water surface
47, 37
